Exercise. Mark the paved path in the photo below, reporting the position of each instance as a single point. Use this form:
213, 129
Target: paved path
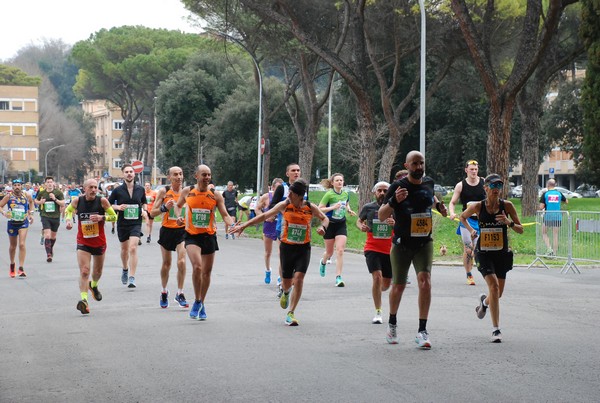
130, 350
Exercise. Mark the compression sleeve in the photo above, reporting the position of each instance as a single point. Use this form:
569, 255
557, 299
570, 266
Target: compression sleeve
110, 216
69, 212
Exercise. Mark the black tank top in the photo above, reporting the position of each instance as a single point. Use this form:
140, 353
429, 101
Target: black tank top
471, 193
493, 236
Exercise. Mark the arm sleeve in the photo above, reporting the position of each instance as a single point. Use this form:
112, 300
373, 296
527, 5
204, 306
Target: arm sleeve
69, 212
277, 196
391, 191
112, 198
110, 216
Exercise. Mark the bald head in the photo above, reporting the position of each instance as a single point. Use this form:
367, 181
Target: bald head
415, 164
551, 183
414, 154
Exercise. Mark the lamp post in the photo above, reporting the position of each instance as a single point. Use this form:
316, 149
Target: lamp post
154, 165
422, 103
46, 157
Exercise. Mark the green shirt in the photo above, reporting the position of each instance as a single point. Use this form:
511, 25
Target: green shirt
330, 198
50, 208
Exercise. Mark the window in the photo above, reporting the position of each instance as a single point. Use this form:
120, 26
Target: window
17, 130
117, 163
118, 124
117, 144
4, 105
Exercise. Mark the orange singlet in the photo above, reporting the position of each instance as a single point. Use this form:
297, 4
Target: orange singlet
169, 218
295, 229
200, 214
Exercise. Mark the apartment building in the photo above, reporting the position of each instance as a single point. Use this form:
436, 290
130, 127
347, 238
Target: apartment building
558, 164
19, 131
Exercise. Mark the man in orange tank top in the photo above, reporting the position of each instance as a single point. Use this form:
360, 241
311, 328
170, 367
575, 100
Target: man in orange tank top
201, 233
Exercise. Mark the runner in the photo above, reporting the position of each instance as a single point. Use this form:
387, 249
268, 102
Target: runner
200, 234
550, 202
334, 204
50, 200
494, 257
469, 190
20, 216
171, 236
270, 233
410, 200
378, 245
150, 198
230, 196
72, 193
129, 200
294, 249
92, 210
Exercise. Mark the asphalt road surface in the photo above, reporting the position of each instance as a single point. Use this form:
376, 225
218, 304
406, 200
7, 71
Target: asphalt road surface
128, 349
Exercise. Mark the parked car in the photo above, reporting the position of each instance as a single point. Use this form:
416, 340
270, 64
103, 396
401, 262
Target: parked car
587, 190
439, 190
568, 194
517, 191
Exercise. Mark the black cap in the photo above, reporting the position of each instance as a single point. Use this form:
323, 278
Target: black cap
493, 178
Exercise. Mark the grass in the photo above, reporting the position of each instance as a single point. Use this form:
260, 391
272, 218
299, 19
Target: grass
444, 231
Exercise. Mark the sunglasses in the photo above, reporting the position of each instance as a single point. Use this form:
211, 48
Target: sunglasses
496, 185
472, 162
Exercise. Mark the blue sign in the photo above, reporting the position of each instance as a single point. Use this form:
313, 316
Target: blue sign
105, 174
551, 170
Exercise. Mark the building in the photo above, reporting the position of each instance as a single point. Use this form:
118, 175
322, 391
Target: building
558, 164
19, 131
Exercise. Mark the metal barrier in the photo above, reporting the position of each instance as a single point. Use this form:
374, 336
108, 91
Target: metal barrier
567, 235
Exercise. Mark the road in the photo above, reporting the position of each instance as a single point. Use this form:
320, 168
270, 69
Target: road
130, 350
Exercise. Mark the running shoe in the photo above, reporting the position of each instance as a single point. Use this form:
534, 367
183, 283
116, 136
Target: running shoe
139, 242
392, 335
42, 240
290, 319
232, 236
202, 313
112, 231
96, 294
83, 307
131, 283
481, 309
496, 336
195, 311
377, 320
470, 280
226, 236
124, 276
49, 257
329, 261
180, 299
339, 282
278, 281
164, 299
284, 301
279, 291
267, 276
322, 268
11, 270
21, 273
422, 340
148, 239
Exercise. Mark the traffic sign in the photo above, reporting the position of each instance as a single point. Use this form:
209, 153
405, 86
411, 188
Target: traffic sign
138, 166
262, 145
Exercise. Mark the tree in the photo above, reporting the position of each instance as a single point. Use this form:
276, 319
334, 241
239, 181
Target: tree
534, 31
14, 76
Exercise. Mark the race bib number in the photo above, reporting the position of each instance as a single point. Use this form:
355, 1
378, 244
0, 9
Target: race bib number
131, 212
381, 230
49, 207
340, 213
149, 199
491, 239
296, 233
18, 213
420, 224
200, 217
89, 229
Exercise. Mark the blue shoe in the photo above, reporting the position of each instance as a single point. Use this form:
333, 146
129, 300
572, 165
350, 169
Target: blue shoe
267, 277
125, 276
195, 311
290, 319
322, 268
284, 301
180, 299
339, 282
202, 315
278, 281
164, 299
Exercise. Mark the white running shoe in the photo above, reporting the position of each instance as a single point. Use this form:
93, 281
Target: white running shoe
392, 336
378, 320
496, 336
422, 340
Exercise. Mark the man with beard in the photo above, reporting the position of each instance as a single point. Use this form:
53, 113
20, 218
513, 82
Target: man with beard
50, 200
129, 200
410, 200
378, 245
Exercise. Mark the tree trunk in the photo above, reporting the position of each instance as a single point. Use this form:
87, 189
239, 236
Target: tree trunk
530, 128
498, 145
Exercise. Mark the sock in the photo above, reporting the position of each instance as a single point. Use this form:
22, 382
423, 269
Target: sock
495, 328
378, 310
84, 295
392, 319
48, 246
94, 284
422, 325
268, 270
53, 242
180, 291
484, 304
164, 290
469, 275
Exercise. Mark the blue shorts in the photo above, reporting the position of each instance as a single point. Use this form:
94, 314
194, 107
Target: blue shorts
473, 222
13, 227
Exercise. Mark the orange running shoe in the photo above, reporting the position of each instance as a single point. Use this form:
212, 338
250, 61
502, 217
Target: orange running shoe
11, 271
470, 280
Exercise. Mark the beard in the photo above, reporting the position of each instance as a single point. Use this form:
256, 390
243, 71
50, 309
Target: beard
416, 174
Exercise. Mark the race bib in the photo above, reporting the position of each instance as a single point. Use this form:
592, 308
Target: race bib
131, 212
49, 207
89, 229
173, 216
491, 239
420, 224
381, 230
18, 213
296, 233
200, 217
149, 199
340, 213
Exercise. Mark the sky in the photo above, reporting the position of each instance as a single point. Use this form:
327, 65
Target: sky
33, 21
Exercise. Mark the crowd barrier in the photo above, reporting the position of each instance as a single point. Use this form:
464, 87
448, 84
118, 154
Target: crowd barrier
569, 235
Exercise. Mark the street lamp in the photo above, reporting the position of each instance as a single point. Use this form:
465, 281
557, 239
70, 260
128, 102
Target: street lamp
154, 167
46, 157
422, 106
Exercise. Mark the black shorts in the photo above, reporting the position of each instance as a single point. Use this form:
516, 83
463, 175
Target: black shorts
293, 258
231, 211
207, 242
50, 223
128, 231
496, 262
379, 261
97, 251
169, 238
334, 229
549, 222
